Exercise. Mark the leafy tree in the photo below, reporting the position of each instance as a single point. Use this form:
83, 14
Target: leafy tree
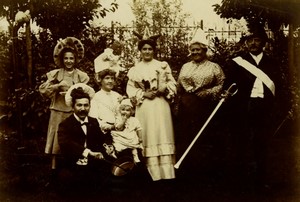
58, 18
167, 19
62, 17
273, 12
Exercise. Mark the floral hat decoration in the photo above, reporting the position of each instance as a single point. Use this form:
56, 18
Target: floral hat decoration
69, 42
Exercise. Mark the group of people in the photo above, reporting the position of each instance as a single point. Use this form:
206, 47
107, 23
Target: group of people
88, 127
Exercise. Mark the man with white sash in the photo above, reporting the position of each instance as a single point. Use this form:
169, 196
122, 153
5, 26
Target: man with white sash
251, 108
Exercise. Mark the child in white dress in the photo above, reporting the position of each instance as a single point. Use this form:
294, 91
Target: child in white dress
127, 133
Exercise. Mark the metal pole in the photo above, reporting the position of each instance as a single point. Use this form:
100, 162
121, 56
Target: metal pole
225, 96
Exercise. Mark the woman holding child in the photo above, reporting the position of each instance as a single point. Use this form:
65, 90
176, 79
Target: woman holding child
149, 90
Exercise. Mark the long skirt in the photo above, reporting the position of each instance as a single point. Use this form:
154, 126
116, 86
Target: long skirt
56, 117
193, 112
158, 137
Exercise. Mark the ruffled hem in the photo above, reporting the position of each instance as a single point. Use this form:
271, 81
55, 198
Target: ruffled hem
161, 167
158, 150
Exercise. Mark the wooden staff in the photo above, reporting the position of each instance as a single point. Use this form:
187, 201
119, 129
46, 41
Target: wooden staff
229, 92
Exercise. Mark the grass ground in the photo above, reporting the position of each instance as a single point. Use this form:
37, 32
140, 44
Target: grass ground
25, 172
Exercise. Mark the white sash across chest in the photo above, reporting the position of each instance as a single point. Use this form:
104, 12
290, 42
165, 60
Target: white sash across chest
256, 72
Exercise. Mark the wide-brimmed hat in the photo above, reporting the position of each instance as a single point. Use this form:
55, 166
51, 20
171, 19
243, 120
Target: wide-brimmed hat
71, 43
87, 89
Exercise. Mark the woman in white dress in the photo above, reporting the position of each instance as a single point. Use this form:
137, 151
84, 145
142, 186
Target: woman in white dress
153, 110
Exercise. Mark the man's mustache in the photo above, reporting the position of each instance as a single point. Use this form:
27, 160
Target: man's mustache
81, 113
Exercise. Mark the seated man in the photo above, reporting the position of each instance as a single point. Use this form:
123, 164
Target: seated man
81, 139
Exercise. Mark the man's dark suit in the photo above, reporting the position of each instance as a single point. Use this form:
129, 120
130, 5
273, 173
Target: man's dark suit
251, 118
71, 139
245, 79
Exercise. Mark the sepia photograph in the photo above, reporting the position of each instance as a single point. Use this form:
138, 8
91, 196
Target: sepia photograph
161, 100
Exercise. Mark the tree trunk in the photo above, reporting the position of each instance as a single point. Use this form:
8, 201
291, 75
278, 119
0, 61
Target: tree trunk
29, 53
291, 55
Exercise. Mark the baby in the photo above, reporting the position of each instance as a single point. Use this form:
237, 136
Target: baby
127, 133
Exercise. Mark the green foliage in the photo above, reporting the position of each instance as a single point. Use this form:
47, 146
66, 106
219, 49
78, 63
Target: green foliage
273, 12
62, 17
172, 47
167, 19
6, 77
25, 106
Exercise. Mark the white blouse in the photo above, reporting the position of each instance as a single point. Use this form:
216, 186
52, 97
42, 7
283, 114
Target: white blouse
104, 106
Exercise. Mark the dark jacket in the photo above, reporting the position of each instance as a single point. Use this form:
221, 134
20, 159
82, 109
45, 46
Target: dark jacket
245, 80
71, 138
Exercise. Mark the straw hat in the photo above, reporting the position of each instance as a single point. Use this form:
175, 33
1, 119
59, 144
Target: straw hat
69, 42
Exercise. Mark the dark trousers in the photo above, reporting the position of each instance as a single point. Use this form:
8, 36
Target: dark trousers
251, 136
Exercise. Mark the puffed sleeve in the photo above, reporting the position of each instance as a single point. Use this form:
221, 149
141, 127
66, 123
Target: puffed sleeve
134, 88
49, 87
82, 77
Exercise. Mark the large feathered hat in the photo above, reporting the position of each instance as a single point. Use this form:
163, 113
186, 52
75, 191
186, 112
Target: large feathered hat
71, 43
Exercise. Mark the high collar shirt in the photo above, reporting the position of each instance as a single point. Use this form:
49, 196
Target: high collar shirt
152, 74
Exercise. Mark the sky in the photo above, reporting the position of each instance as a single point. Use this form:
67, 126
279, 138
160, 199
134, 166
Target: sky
199, 9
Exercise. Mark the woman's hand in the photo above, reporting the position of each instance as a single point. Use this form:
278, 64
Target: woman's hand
150, 94
60, 87
63, 86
